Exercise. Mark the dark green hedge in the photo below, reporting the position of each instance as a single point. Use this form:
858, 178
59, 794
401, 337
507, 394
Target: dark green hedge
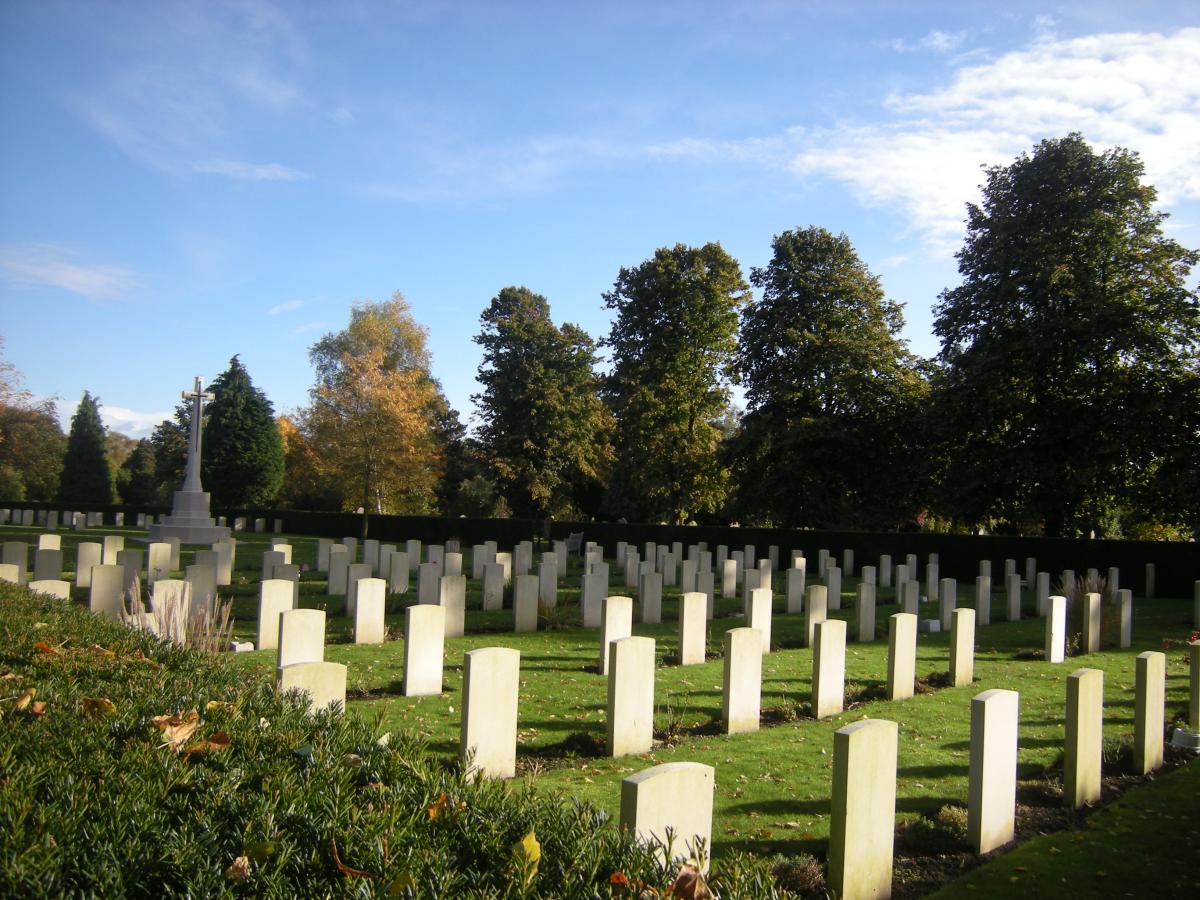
93, 804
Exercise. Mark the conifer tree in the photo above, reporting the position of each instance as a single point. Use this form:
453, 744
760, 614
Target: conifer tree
241, 454
86, 476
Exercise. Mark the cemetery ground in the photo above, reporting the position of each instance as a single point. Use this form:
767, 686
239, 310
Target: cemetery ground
773, 785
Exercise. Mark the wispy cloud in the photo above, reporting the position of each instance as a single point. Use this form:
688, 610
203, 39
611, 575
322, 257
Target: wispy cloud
1139, 91
289, 306
308, 327
130, 422
56, 266
935, 42
245, 171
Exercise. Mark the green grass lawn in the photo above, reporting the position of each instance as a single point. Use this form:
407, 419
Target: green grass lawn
772, 794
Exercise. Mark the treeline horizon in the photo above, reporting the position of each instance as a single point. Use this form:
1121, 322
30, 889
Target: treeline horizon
1065, 399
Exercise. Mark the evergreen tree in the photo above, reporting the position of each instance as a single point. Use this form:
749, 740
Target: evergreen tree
86, 476
137, 480
241, 461
170, 443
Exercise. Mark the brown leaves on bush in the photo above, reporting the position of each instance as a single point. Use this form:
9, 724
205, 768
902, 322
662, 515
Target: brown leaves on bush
689, 884
98, 705
176, 729
239, 871
215, 744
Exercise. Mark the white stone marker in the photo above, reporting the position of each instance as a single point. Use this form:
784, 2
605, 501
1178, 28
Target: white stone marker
491, 680
9, 573
795, 587
1013, 585
650, 589
751, 581
983, 599
833, 581
113, 544
741, 695
54, 587
630, 727
902, 656
47, 564
863, 809
962, 647
452, 564
864, 610
286, 549
1090, 639
948, 602
131, 561
704, 585
671, 797
301, 637
16, 553
370, 554
593, 589
87, 554
339, 570
270, 559
829, 668
1043, 592
992, 783
1151, 587
274, 596
202, 586
1085, 736
885, 571
1056, 629
616, 622
424, 644
49, 542
505, 561
324, 682
323, 545
400, 573
170, 602
355, 573
912, 597
351, 545
759, 615
452, 597
226, 555
547, 579
687, 576
822, 563
1125, 610
107, 587
729, 579
387, 553
493, 586
1149, 696
815, 610
933, 585
429, 576
525, 599
848, 562
369, 607
413, 549
693, 628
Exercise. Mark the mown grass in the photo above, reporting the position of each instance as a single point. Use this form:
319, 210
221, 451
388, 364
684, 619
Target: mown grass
773, 786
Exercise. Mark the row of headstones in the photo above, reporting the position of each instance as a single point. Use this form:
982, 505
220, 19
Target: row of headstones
52, 518
676, 799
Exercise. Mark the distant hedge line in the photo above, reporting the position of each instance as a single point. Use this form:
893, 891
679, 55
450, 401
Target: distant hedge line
111, 786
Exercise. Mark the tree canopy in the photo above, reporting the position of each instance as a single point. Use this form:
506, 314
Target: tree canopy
241, 459
1067, 344
374, 410
544, 426
672, 352
830, 390
86, 476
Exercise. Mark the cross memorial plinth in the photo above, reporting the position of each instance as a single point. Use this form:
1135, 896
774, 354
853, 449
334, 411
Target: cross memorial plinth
189, 520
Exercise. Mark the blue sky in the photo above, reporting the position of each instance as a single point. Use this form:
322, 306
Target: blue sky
180, 182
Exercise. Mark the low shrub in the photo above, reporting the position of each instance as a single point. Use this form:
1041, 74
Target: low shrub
131, 767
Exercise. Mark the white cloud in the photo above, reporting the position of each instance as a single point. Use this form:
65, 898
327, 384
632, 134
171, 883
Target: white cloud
285, 307
308, 327
1139, 91
130, 422
935, 41
245, 171
60, 267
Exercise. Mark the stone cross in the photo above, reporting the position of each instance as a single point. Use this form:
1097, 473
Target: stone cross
197, 398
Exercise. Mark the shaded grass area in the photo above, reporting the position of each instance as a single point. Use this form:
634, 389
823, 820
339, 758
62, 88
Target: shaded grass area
772, 795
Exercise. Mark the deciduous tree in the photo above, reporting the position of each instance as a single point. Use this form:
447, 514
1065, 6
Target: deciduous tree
1066, 343
545, 428
672, 351
829, 437
374, 411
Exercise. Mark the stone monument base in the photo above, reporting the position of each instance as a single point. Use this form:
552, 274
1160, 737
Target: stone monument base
189, 521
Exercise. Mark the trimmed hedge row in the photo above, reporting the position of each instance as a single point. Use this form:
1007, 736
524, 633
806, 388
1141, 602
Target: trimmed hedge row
110, 786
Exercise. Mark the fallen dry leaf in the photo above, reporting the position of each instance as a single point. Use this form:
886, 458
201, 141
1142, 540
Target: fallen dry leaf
43, 647
239, 872
26, 698
38, 708
176, 729
98, 705
219, 704
690, 884
216, 743
345, 869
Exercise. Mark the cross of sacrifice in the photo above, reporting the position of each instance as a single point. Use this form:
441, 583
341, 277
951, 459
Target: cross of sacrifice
197, 397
